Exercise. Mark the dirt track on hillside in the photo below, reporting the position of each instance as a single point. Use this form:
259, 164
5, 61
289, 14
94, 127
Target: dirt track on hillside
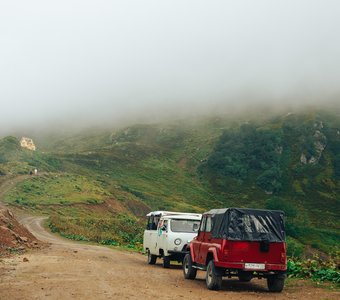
69, 270
9, 183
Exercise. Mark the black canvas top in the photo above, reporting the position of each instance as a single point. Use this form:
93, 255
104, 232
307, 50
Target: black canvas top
248, 224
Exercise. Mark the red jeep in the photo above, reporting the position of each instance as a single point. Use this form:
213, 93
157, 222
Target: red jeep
239, 242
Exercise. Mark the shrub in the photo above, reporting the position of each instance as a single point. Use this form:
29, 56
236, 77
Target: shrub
315, 269
294, 248
249, 150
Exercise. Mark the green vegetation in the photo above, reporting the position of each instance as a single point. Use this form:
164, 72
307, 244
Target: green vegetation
96, 186
102, 227
242, 152
316, 269
56, 189
9, 149
292, 158
16, 160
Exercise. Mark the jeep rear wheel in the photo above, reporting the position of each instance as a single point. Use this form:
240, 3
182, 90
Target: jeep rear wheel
188, 270
166, 262
151, 258
213, 280
275, 283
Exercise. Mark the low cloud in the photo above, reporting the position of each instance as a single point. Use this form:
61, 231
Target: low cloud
83, 63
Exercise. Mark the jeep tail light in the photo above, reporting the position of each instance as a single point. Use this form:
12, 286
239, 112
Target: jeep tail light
283, 257
225, 247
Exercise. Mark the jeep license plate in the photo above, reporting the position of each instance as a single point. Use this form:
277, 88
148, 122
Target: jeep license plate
252, 266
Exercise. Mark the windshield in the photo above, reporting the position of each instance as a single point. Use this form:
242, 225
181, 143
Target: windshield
178, 225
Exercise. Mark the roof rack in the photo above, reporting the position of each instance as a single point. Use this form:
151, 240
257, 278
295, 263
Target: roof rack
170, 213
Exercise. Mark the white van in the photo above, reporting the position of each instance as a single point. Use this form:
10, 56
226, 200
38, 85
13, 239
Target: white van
167, 235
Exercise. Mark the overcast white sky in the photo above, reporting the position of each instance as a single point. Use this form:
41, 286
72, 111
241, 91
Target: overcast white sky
99, 60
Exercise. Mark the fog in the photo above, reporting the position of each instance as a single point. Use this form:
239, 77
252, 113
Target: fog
93, 62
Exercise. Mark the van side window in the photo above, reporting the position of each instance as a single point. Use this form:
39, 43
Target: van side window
155, 222
152, 222
208, 225
149, 223
202, 227
165, 225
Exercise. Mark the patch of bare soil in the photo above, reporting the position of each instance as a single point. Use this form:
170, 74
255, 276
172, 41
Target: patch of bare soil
13, 236
69, 270
183, 163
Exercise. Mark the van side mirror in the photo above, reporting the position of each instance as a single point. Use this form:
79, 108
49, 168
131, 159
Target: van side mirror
163, 228
195, 227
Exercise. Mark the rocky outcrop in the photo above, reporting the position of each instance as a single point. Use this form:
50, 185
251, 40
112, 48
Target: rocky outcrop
319, 145
13, 236
27, 143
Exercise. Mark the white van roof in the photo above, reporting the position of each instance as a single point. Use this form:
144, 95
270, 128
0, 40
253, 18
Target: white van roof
171, 213
195, 217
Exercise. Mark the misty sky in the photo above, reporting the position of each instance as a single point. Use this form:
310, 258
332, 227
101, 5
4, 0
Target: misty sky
93, 61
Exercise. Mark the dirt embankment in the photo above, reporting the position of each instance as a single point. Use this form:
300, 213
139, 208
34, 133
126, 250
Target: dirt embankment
14, 237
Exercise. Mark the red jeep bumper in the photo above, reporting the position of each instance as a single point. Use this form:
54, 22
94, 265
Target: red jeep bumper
268, 267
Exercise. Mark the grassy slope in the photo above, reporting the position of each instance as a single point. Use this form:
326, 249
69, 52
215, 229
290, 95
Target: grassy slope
155, 167
56, 189
311, 192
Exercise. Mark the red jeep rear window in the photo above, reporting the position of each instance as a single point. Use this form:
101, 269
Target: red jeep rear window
248, 225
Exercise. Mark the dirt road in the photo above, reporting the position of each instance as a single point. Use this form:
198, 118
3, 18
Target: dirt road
69, 270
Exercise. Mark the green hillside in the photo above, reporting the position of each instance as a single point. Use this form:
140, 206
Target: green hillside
288, 163
95, 182
16, 160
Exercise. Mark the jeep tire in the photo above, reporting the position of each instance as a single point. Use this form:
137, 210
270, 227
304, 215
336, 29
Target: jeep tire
275, 283
151, 258
188, 270
213, 281
166, 262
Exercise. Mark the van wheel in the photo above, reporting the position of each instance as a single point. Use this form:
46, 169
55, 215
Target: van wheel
188, 270
275, 283
213, 281
151, 258
166, 262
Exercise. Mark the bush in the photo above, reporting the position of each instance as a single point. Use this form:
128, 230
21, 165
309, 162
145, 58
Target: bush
109, 242
315, 269
117, 230
249, 150
294, 248
277, 203
269, 180
337, 166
